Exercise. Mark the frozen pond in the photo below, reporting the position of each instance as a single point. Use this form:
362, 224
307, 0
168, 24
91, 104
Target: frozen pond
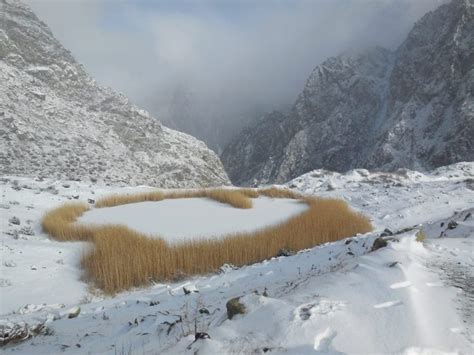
192, 218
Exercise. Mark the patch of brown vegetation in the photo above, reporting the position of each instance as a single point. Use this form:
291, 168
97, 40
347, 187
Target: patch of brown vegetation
59, 223
274, 192
123, 199
235, 198
122, 258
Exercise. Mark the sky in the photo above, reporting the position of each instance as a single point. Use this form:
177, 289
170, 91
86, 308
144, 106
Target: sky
230, 57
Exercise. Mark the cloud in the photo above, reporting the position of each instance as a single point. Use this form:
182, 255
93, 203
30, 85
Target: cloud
230, 56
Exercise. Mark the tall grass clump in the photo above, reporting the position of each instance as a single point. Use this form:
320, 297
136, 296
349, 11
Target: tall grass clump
232, 197
122, 258
274, 192
59, 223
123, 199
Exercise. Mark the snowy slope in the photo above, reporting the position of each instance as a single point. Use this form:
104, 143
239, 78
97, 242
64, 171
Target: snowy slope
409, 297
56, 121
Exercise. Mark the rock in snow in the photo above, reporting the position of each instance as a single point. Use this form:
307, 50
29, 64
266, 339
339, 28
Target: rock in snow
73, 312
14, 220
378, 109
57, 122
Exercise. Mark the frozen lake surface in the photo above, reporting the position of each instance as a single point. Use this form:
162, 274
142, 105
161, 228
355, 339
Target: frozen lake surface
195, 218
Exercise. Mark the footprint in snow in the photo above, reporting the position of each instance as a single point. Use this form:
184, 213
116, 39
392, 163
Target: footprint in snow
5, 283
388, 304
321, 308
402, 284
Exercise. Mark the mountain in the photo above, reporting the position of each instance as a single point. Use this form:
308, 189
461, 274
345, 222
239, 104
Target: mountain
56, 121
191, 111
376, 108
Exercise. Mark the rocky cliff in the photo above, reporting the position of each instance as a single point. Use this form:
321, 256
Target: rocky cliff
379, 109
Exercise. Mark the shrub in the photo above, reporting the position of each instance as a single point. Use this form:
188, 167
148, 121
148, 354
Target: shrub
234, 307
420, 236
122, 258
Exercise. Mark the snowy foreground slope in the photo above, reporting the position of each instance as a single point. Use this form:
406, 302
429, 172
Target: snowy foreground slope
409, 297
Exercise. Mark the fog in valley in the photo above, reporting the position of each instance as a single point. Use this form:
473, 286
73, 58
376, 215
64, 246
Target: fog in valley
210, 67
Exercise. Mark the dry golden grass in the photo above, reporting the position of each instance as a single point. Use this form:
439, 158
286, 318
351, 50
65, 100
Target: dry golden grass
123, 199
251, 193
238, 198
59, 223
122, 258
273, 192
235, 198
232, 197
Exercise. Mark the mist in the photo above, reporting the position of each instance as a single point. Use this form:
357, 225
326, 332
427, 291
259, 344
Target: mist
211, 67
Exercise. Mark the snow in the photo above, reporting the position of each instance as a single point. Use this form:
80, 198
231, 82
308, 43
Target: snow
195, 218
410, 297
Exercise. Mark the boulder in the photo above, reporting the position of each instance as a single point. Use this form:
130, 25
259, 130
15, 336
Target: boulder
379, 243
386, 232
190, 289
452, 224
74, 312
201, 335
14, 220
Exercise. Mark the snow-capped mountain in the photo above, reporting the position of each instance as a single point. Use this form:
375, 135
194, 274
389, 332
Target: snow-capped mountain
55, 121
413, 107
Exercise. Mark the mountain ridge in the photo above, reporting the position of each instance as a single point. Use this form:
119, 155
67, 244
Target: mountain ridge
375, 109
56, 121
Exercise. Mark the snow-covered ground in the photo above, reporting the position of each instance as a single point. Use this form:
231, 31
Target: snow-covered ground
195, 218
409, 297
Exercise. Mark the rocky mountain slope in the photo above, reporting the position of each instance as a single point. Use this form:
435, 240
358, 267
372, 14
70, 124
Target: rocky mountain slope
55, 121
413, 107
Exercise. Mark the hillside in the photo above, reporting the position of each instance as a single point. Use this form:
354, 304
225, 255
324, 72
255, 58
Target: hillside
56, 121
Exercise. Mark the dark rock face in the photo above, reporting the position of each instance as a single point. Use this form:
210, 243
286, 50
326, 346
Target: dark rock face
376, 109
56, 121
379, 243
431, 94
